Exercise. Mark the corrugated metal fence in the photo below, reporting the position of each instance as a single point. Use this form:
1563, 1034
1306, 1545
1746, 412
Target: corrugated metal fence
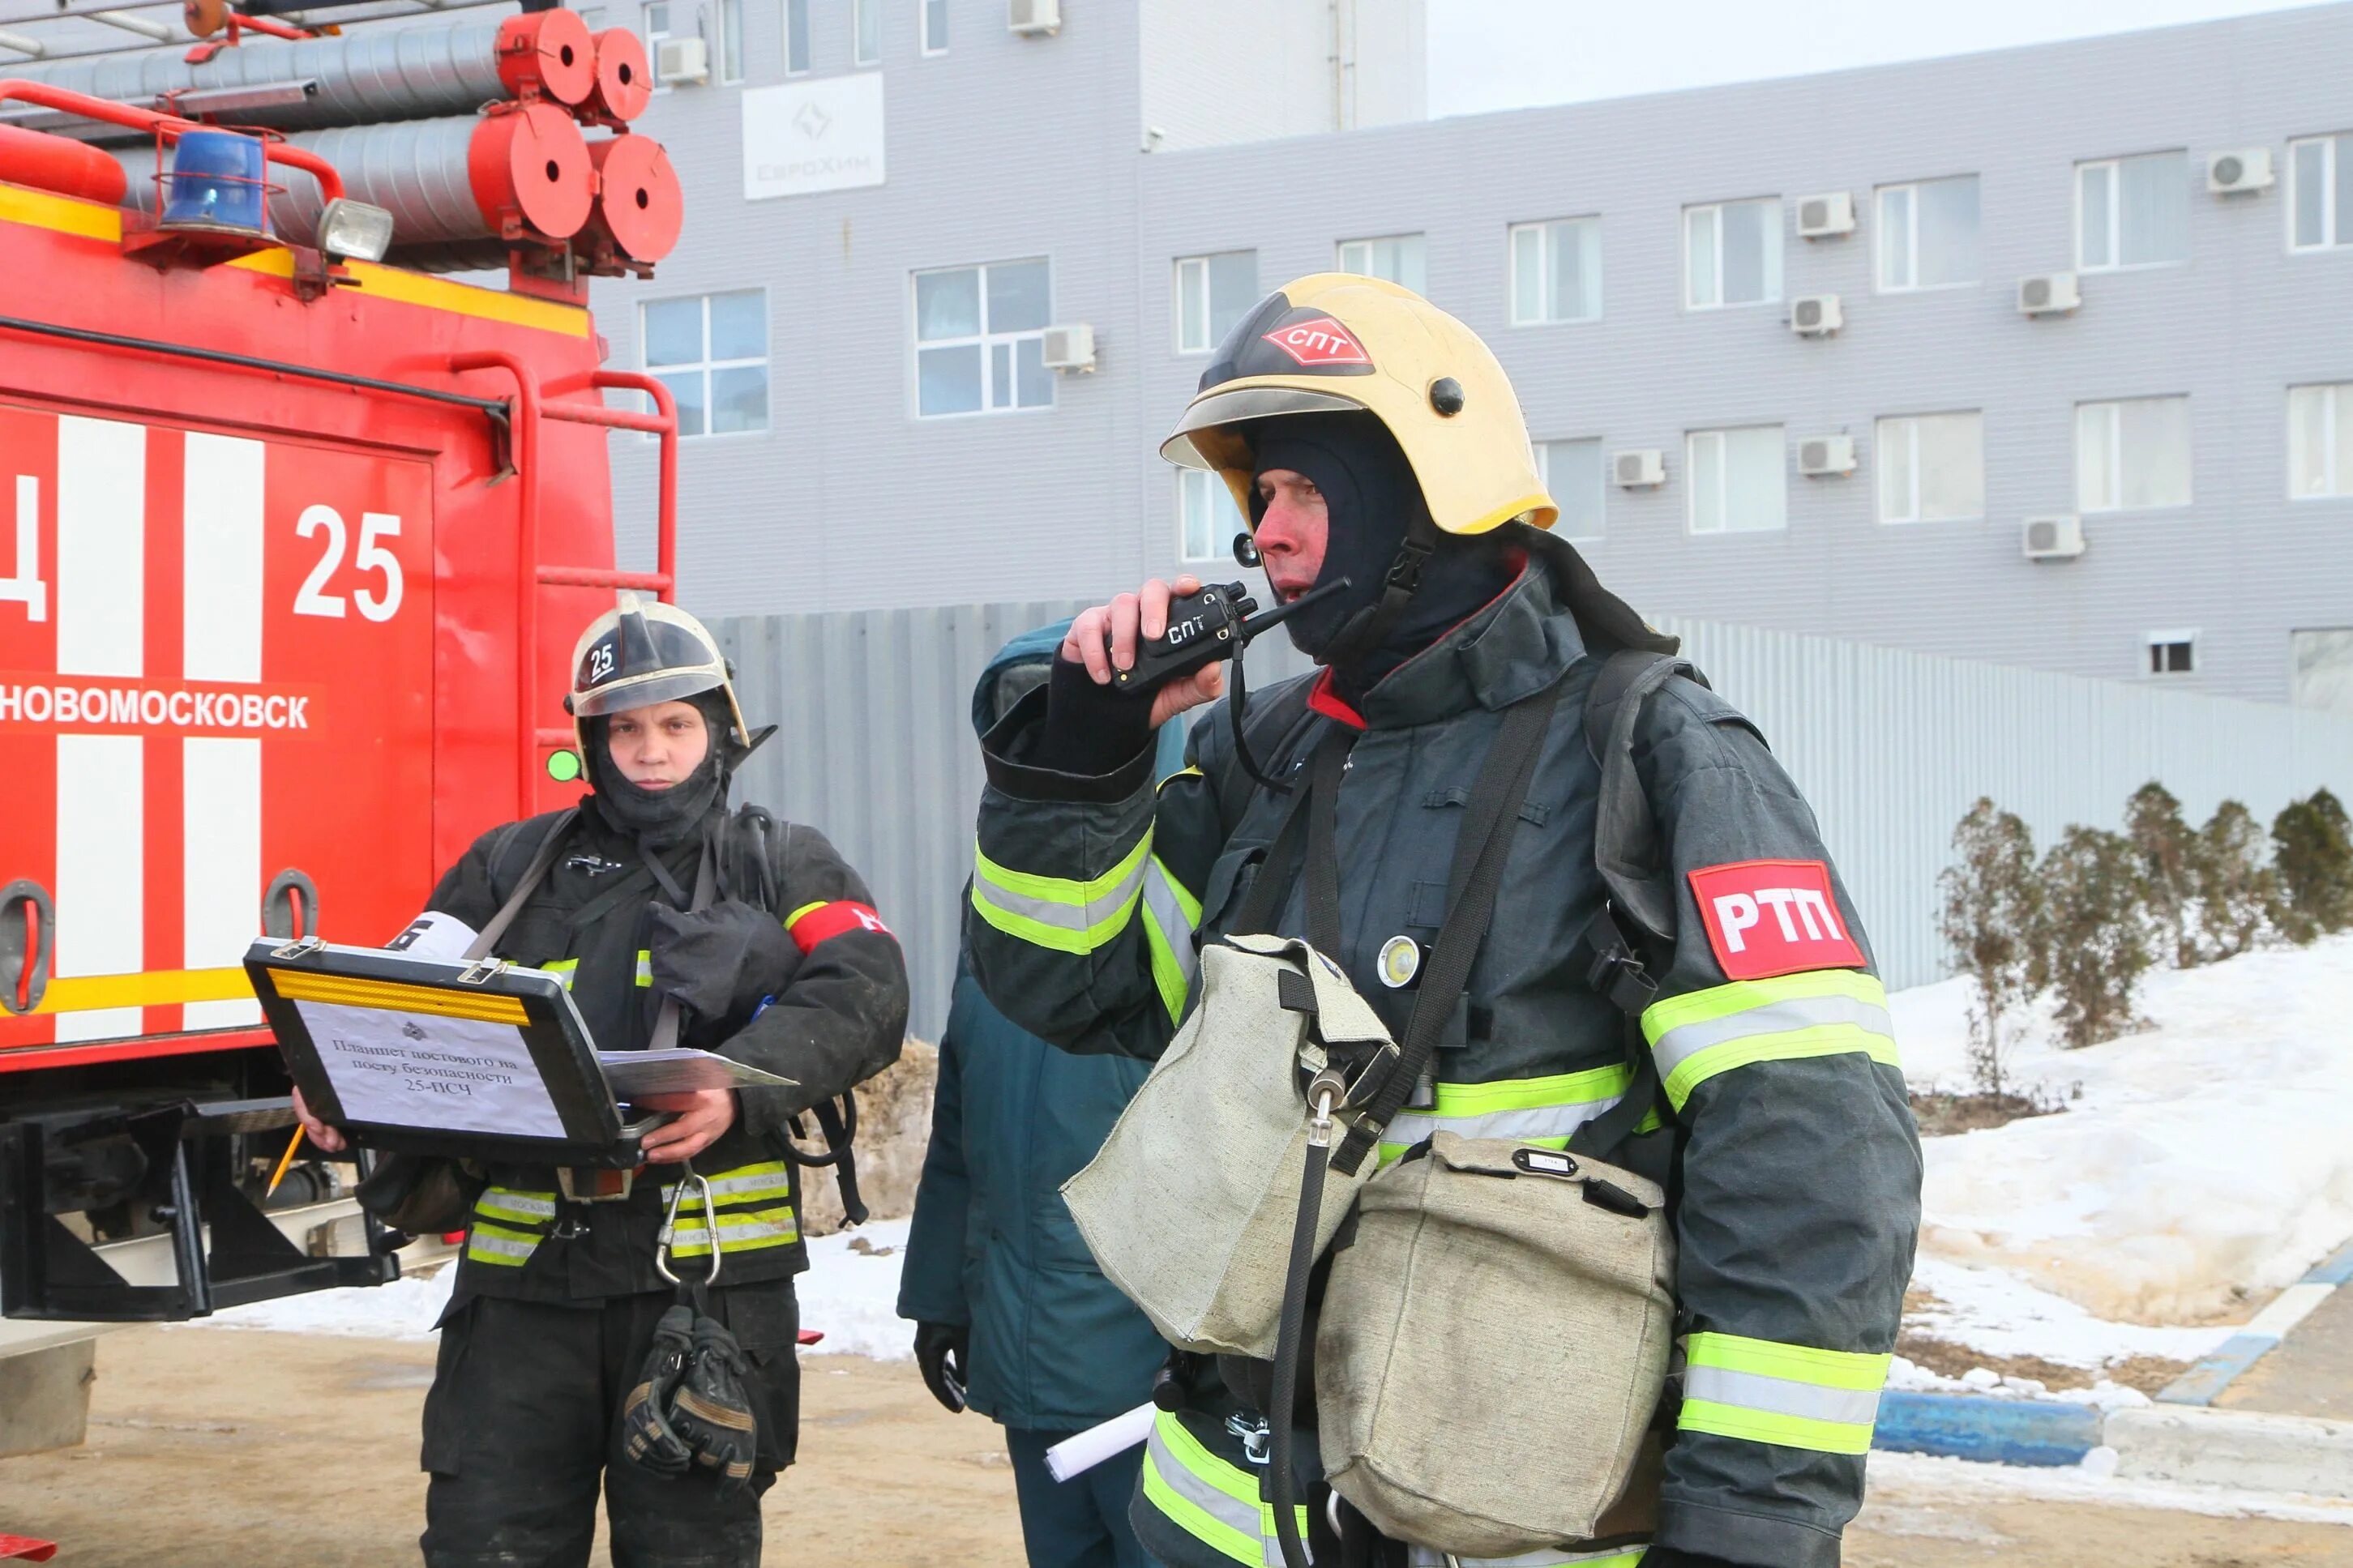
875, 747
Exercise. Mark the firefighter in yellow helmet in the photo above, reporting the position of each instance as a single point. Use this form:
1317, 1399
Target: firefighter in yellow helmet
1654, 976
671, 920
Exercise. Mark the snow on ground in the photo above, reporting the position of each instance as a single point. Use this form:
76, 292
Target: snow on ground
1896, 1479
848, 1294
2200, 1166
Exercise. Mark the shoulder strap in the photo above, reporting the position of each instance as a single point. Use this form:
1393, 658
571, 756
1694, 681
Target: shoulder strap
1263, 902
1483, 842
540, 861
1625, 834
1267, 726
666, 1022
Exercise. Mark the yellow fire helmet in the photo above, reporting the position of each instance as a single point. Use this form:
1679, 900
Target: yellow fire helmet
642, 652
1333, 341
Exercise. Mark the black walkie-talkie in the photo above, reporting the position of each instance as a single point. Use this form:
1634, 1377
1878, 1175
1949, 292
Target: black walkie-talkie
1216, 623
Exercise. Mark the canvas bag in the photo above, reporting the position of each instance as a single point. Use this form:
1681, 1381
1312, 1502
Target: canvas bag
1494, 1345
1188, 1206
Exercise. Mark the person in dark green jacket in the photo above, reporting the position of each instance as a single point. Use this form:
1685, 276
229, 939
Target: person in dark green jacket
1013, 1319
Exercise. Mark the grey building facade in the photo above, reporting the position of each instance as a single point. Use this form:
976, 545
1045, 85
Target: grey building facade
1637, 264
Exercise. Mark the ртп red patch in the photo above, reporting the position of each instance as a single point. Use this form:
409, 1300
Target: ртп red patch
1773, 917
1320, 342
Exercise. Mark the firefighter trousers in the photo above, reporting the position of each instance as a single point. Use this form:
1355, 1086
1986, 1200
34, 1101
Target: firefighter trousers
519, 1429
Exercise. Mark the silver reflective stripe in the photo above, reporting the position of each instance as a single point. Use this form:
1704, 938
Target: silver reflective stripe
478, 1242
1081, 918
695, 1236
1243, 1518
1780, 1396
761, 1185
1160, 898
1551, 1557
1679, 1044
499, 1200
1541, 1121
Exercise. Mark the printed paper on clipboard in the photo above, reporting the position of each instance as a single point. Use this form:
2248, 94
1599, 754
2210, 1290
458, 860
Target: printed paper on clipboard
633, 1074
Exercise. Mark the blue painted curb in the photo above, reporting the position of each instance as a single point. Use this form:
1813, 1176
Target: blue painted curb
1989, 1431
2205, 1382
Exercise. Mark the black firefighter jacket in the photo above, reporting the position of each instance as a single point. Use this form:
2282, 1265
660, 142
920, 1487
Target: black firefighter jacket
1798, 1168
837, 1016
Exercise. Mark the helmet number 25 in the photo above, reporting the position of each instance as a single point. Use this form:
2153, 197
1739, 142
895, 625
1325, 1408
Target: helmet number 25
314, 600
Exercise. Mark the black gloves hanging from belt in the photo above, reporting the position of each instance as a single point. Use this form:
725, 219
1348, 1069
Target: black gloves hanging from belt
689, 1409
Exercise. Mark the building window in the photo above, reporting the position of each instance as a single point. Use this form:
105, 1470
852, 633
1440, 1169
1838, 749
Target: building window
1931, 467
2132, 456
1738, 480
796, 36
1731, 254
657, 20
2320, 202
1571, 472
1928, 233
731, 41
1206, 518
2132, 212
1213, 294
936, 26
1397, 257
592, 17
866, 31
2323, 658
2320, 441
2173, 653
980, 339
1556, 271
712, 352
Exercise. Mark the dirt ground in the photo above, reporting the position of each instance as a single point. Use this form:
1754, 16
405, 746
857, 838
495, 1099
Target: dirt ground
261, 1450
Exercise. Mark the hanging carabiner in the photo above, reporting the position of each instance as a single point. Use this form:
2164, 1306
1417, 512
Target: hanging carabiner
669, 1226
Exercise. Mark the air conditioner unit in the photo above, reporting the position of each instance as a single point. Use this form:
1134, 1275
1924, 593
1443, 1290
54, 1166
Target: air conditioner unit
2242, 169
2048, 294
2054, 538
1071, 348
1031, 18
1816, 315
682, 60
1641, 469
1826, 454
1825, 216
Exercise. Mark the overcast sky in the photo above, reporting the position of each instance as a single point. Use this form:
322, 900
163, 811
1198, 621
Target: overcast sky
1509, 54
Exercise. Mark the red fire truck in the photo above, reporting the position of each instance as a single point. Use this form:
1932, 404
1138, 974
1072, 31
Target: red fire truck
293, 544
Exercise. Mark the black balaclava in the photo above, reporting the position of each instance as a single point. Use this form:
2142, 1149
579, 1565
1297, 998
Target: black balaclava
1374, 501
663, 817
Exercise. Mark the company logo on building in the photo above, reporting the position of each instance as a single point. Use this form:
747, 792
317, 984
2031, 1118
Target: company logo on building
802, 138
1772, 916
812, 121
1319, 343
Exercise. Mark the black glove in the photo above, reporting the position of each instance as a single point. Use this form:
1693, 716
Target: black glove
940, 1350
719, 961
710, 1413
647, 1436
1089, 730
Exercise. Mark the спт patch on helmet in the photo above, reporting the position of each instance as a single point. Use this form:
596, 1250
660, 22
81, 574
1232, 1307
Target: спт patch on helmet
1333, 341
642, 652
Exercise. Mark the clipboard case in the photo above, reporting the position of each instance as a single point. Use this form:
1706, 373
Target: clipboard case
535, 1005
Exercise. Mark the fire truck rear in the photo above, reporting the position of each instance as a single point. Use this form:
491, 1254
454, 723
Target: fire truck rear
295, 533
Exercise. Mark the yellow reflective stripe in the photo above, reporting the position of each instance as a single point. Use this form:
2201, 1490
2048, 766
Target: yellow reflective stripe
1529, 1093
565, 971
764, 1179
813, 905
1187, 1451
1768, 1427
1207, 1497
1055, 912
1169, 975
1821, 1013
1188, 769
1795, 1396
1795, 1364
518, 1208
644, 967
737, 1233
1195, 1521
497, 1245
